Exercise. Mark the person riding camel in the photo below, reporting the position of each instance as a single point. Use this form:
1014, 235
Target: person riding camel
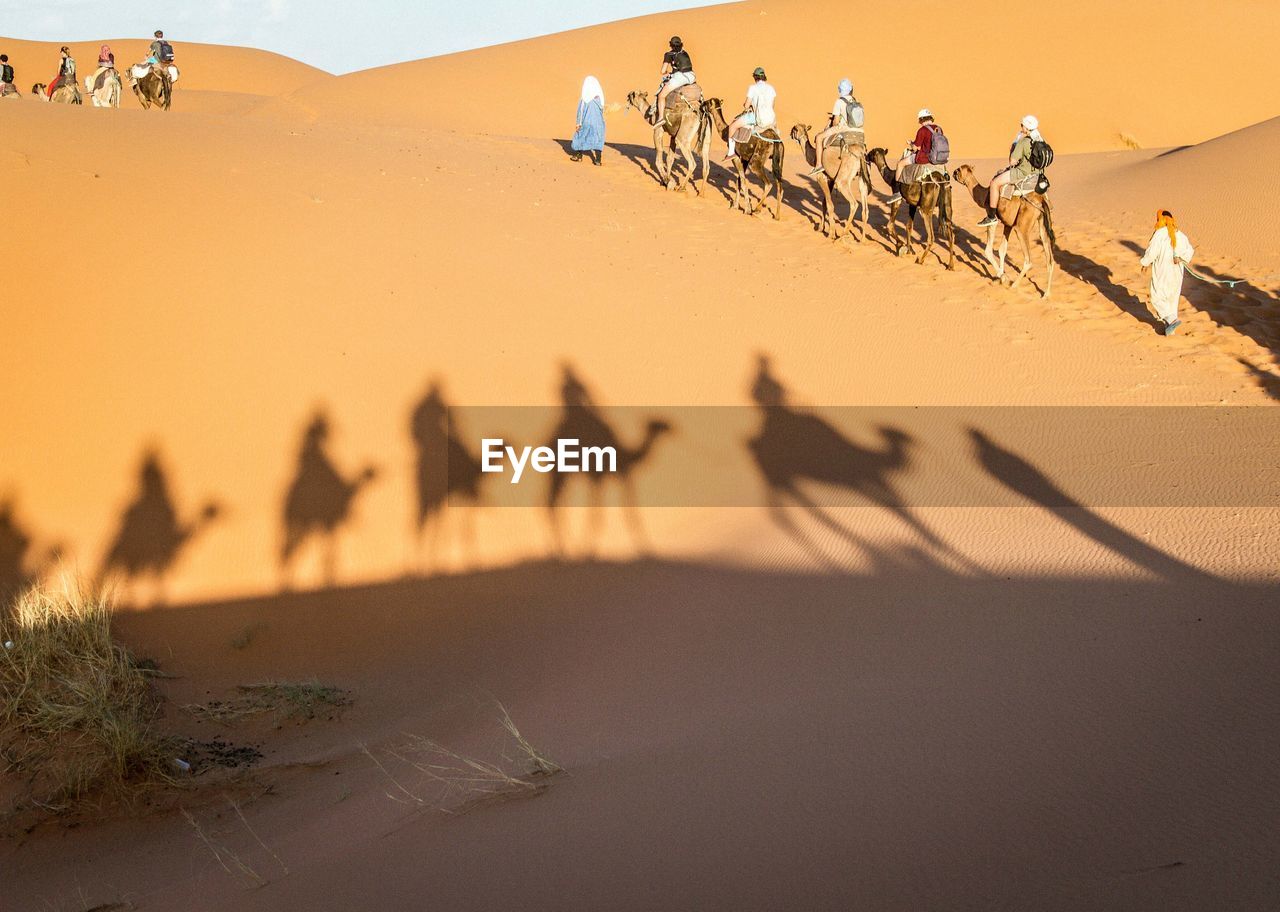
6, 77
66, 72
1018, 169
676, 72
758, 113
846, 115
161, 51
917, 151
106, 61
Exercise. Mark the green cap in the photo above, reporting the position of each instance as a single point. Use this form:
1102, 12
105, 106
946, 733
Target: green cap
758, 73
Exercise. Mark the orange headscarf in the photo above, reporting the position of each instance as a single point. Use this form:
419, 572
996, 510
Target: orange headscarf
1165, 220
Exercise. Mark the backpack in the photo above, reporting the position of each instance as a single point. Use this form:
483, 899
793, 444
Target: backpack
854, 116
940, 148
166, 52
6, 74
1041, 155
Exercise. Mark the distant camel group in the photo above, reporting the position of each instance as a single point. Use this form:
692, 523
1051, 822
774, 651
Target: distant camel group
689, 121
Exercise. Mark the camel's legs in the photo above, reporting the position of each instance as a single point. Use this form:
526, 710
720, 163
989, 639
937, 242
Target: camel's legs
777, 213
1026, 256
660, 153
595, 520
828, 209
1002, 253
706, 162
928, 236
631, 509
1048, 259
689, 165
863, 212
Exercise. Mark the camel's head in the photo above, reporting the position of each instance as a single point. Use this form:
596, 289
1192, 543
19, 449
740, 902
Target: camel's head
964, 174
800, 133
877, 156
638, 100
657, 427
897, 438
211, 511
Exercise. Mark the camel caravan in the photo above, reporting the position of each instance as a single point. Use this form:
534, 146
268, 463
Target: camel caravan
1015, 203
152, 80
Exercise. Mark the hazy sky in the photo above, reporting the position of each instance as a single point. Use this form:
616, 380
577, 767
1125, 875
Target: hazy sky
335, 36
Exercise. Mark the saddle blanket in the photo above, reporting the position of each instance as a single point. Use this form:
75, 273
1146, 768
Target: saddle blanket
925, 172
138, 70
848, 138
747, 133
690, 93
1020, 187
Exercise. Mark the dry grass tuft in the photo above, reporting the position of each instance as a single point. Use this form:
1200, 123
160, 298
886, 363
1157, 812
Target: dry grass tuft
287, 701
77, 713
453, 782
1128, 142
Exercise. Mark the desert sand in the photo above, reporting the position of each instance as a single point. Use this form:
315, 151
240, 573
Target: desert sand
1037, 702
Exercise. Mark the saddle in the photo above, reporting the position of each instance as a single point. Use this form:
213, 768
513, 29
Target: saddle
846, 138
926, 173
101, 80
1020, 187
690, 94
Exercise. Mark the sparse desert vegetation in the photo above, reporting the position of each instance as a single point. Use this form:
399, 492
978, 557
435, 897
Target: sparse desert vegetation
298, 701
78, 714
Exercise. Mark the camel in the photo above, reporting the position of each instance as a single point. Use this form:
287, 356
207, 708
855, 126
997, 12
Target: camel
685, 131
446, 472
319, 500
105, 90
1019, 214
761, 155
9, 90
67, 93
155, 88
842, 166
151, 534
926, 196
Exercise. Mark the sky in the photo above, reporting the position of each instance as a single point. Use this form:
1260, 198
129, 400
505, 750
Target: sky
336, 35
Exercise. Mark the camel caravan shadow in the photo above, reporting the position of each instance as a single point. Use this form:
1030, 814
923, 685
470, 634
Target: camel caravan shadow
20, 566
446, 474
152, 535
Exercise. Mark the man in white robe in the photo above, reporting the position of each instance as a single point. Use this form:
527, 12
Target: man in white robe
1167, 253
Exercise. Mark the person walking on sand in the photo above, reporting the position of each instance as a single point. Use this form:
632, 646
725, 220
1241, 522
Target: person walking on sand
588, 135
757, 109
66, 72
1167, 253
6, 77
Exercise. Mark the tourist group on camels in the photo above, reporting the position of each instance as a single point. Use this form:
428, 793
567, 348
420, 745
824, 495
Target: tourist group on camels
1015, 202
152, 80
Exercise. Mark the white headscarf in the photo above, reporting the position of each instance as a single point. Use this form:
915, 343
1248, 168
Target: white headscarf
591, 89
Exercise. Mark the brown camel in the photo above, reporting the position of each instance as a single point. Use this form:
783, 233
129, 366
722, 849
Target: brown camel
319, 499
65, 93
684, 132
842, 166
1020, 214
760, 155
155, 88
927, 196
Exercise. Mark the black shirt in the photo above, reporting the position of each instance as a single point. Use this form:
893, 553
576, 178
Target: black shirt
679, 60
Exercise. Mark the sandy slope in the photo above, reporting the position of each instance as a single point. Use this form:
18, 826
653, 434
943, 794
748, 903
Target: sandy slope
1092, 71
1033, 706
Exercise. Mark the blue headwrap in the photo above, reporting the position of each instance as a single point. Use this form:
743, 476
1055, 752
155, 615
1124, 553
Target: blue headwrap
846, 87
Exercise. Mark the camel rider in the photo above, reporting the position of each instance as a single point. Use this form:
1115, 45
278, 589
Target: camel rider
759, 108
917, 151
6, 77
846, 114
66, 71
676, 71
106, 61
1018, 169
161, 51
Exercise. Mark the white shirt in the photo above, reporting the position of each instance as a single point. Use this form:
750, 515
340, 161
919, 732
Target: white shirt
760, 99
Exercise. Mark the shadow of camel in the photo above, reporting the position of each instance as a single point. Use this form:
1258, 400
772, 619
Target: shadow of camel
581, 420
1020, 476
319, 500
151, 536
1099, 276
18, 570
445, 471
795, 447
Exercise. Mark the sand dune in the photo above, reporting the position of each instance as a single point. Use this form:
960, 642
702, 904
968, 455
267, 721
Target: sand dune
204, 67
1049, 704
1093, 72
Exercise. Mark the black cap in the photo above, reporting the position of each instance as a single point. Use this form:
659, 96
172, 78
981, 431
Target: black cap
676, 43
159, 34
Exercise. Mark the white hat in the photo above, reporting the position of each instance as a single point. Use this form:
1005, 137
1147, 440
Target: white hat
924, 112
1030, 123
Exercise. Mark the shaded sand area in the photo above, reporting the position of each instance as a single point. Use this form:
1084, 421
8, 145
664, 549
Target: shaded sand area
1051, 703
